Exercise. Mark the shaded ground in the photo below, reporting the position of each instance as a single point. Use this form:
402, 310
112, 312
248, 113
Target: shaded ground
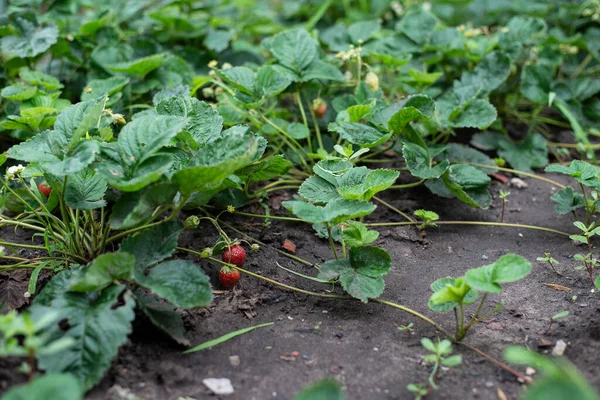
359, 344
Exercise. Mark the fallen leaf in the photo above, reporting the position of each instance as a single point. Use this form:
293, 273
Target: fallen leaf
289, 246
558, 287
499, 177
13, 286
501, 395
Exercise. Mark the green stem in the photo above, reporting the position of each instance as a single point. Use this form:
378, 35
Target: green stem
315, 124
517, 172
267, 216
480, 223
304, 120
474, 318
408, 185
406, 216
331, 243
318, 15
587, 206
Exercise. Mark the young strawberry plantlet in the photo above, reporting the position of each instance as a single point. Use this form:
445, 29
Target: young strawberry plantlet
590, 263
567, 200
555, 317
456, 293
503, 198
428, 218
440, 356
550, 260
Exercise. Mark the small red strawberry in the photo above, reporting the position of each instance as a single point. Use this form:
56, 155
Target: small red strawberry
235, 255
320, 110
45, 189
228, 277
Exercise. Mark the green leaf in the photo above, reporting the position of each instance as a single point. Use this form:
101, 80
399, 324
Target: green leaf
217, 160
18, 92
326, 389
266, 169
360, 275
294, 49
100, 87
479, 114
133, 178
269, 82
224, 338
583, 172
85, 190
418, 25
359, 134
51, 386
469, 185
140, 67
373, 182
567, 200
180, 282
416, 108
419, 163
31, 40
527, 154
597, 282
203, 122
163, 316
105, 269
508, 268
76, 120
131, 209
318, 190
449, 293
152, 245
428, 345
360, 32
358, 112
332, 170
241, 78
143, 136
334, 212
357, 234
217, 39
37, 78
319, 69
298, 131
460, 153
98, 323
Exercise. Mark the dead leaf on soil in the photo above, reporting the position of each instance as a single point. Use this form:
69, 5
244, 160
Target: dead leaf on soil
501, 395
12, 287
237, 300
289, 246
558, 287
495, 326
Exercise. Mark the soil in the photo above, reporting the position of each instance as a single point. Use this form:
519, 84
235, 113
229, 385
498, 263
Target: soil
360, 344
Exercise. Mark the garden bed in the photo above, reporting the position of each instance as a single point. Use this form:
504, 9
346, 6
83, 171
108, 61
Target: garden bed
360, 344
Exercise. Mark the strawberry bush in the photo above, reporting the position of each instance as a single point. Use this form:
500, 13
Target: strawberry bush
126, 123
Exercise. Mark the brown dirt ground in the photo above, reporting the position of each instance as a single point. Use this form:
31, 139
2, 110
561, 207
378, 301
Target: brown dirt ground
359, 344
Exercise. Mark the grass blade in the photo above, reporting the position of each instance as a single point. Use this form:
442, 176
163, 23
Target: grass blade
224, 338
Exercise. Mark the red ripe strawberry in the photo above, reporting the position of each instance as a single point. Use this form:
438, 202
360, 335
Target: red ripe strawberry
228, 277
44, 189
320, 110
235, 255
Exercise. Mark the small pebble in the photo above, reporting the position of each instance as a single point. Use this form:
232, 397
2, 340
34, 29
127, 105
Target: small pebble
219, 386
339, 335
234, 360
489, 384
375, 349
484, 257
559, 348
530, 371
295, 353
